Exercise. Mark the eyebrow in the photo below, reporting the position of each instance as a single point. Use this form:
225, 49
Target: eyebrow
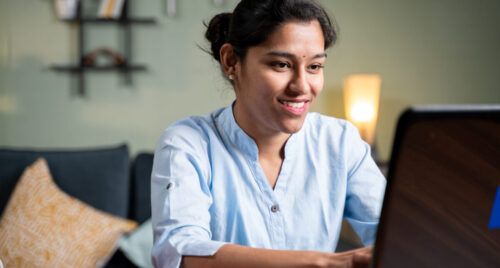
292, 56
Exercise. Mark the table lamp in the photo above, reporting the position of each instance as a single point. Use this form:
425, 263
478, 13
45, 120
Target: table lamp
361, 99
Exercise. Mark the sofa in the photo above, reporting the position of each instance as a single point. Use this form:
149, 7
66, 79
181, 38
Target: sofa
104, 178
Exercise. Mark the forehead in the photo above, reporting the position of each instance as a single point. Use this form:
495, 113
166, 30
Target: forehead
297, 38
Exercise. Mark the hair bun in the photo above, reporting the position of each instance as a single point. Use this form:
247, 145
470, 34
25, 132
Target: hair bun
217, 32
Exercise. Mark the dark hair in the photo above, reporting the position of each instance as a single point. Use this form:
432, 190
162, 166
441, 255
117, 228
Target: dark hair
252, 21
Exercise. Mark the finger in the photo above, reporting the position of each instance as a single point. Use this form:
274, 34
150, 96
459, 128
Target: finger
357, 250
362, 259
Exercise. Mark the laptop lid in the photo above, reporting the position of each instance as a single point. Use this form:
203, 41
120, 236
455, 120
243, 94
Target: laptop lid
442, 200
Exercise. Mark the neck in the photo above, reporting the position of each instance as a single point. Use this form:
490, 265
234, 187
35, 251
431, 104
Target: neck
272, 147
270, 144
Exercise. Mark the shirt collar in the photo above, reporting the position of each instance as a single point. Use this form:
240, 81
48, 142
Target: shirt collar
238, 138
235, 135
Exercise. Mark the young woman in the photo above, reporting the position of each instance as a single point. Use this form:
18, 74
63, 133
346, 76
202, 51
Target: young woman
263, 182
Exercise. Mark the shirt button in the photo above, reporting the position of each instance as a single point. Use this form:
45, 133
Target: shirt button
170, 185
275, 208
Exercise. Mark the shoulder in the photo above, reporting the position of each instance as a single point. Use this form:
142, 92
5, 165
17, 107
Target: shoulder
193, 131
333, 135
318, 125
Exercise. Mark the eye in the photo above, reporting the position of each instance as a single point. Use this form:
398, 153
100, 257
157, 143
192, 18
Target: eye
316, 67
280, 64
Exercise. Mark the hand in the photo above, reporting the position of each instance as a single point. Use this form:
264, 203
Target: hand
231, 255
357, 258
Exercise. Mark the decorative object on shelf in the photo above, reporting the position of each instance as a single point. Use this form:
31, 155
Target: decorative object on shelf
361, 100
111, 9
66, 9
92, 57
121, 62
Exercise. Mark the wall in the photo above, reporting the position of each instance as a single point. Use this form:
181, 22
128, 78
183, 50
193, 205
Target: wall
426, 52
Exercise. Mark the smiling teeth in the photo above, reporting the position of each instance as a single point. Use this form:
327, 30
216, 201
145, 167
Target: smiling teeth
294, 104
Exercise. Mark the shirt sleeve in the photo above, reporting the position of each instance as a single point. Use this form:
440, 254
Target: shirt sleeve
180, 199
365, 187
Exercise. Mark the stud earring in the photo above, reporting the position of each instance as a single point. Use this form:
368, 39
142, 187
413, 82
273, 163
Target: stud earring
230, 76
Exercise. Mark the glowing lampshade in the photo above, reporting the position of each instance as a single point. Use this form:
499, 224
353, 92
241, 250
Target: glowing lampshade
361, 100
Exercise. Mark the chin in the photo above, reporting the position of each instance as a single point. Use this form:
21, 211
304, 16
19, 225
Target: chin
293, 127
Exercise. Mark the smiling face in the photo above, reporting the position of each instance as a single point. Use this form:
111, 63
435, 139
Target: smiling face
279, 79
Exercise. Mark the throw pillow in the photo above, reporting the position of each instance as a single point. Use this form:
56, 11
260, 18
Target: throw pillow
44, 227
99, 176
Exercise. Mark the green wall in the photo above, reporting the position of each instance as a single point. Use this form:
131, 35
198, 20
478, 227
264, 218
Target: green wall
427, 52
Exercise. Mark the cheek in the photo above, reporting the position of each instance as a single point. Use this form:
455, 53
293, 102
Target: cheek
255, 92
317, 85
269, 85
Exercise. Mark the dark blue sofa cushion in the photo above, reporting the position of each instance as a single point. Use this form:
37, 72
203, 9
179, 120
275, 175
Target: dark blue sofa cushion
98, 177
140, 206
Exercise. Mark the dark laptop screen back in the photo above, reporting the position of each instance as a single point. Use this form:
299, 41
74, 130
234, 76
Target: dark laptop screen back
443, 179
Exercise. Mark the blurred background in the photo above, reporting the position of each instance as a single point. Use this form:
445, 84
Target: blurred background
424, 52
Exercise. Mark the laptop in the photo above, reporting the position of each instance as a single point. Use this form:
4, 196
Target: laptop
442, 202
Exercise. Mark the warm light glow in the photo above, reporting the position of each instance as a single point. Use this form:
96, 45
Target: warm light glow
361, 99
362, 112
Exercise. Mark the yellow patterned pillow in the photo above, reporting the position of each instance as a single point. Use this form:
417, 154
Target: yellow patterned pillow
44, 227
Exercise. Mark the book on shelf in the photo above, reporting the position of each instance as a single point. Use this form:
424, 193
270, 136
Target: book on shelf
66, 9
111, 9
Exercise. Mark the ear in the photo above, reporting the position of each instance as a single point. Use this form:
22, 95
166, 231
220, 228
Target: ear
228, 59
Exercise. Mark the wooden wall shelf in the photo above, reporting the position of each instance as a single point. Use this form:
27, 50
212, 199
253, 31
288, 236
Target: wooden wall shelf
80, 68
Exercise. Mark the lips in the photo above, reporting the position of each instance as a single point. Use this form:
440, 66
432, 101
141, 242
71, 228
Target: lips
296, 107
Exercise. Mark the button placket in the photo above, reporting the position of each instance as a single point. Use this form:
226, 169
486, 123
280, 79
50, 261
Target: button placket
277, 224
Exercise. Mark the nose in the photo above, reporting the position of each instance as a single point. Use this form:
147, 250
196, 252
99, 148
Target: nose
299, 84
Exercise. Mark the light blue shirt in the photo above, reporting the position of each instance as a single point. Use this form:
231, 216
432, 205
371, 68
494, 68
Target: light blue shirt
209, 189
